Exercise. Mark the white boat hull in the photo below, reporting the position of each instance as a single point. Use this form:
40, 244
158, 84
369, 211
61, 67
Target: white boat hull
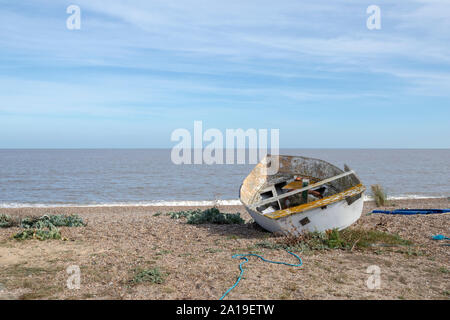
338, 209
338, 215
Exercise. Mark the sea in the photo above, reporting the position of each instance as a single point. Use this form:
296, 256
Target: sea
148, 177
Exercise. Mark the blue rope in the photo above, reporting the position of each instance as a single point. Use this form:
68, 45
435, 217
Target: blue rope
244, 257
440, 237
414, 211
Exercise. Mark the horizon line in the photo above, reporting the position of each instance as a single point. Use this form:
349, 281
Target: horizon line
281, 148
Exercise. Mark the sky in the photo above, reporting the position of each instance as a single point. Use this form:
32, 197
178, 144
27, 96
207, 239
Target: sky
136, 71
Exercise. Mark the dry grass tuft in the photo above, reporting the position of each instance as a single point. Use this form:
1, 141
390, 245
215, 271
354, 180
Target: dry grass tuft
379, 195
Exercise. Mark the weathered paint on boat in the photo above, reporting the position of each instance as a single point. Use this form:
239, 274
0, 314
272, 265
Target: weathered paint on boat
339, 210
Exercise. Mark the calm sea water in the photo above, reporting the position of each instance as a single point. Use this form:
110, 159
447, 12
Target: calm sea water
148, 177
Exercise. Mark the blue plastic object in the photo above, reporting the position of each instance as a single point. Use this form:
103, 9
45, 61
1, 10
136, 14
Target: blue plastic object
413, 211
440, 237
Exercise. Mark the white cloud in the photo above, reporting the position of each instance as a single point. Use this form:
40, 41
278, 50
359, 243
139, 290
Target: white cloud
289, 40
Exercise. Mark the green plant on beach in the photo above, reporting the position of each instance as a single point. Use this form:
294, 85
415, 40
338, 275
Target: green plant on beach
182, 214
379, 195
149, 275
444, 270
6, 221
346, 239
47, 221
211, 215
45, 227
39, 234
67, 221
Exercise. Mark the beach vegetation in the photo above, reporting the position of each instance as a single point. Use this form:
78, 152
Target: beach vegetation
163, 252
48, 221
6, 221
414, 252
213, 250
45, 221
379, 195
214, 216
181, 214
46, 227
444, 270
39, 234
347, 239
153, 275
211, 215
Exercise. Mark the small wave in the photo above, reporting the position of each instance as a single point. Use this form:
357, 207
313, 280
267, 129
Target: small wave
156, 203
405, 197
175, 203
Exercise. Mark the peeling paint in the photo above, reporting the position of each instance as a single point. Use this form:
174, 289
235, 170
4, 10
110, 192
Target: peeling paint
348, 187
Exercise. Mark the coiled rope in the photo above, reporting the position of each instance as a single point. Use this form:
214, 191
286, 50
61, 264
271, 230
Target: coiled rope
244, 257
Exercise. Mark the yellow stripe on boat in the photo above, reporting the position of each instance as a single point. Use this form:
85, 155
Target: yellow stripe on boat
318, 203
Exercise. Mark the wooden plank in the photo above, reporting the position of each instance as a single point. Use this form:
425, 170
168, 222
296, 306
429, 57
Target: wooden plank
297, 184
358, 189
311, 186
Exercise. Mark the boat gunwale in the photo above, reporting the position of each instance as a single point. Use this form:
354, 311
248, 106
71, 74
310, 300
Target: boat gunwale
255, 192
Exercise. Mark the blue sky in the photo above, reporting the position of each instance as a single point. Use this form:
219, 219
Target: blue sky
137, 70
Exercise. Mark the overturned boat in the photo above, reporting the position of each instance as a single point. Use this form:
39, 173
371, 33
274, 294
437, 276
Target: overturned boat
302, 194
